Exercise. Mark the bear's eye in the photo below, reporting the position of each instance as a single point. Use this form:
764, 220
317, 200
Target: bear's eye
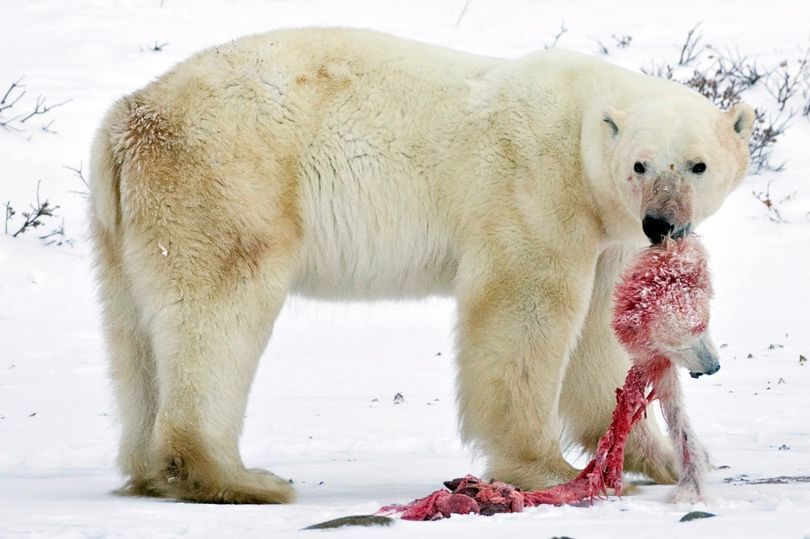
699, 168
639, 167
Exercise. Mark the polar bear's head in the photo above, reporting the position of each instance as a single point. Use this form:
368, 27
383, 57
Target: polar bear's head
671, 161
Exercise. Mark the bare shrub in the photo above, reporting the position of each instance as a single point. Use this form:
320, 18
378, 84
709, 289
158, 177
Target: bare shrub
622, 41
692, 47
659, 70
13, 115
783, 84
773, 206
602, 48
721, 90
557, 36
40, 212
78, 172
767, 130
739, 68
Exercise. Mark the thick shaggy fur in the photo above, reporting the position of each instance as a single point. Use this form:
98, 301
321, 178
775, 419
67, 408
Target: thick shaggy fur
350, 164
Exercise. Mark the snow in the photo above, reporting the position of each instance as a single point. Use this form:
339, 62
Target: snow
322, 409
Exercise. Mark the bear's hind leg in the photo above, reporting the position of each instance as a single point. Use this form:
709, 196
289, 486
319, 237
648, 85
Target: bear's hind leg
208, 340
132, 363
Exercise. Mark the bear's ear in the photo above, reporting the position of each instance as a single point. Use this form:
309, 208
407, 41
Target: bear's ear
741, 117
614, 119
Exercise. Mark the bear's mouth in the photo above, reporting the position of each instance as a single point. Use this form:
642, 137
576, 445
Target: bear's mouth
682, 232
709, 372
657, 228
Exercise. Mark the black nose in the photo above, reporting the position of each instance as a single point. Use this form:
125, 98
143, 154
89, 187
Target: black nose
713, 370
656, 228
709, 372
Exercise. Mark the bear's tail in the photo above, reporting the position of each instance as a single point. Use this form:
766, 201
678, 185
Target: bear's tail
106, 158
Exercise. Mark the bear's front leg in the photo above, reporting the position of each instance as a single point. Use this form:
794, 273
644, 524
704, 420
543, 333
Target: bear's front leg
518, 319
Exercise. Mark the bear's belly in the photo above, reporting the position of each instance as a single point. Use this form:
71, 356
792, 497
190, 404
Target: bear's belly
361, 259
369, 270
372, 230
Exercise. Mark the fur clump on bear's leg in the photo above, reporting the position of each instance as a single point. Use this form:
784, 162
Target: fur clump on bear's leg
188, 474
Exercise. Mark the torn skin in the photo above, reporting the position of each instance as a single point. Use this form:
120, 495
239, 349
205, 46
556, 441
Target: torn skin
661, 302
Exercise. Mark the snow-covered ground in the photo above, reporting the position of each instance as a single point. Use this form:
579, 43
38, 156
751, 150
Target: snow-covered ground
322, 409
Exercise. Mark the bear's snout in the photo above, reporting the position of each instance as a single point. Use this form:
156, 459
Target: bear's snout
667, 207
656, 228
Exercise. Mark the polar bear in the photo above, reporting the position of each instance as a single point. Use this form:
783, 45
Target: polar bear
350, 164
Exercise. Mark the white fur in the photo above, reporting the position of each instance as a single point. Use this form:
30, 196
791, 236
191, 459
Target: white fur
350, 164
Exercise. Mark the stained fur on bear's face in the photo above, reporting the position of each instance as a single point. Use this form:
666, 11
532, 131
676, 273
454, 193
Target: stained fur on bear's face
673, 167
